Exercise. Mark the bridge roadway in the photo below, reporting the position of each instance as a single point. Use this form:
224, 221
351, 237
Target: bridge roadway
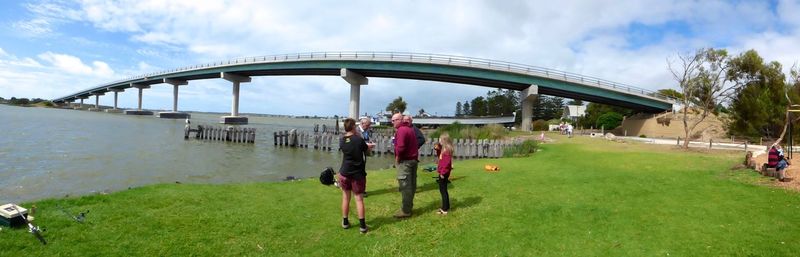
356, 67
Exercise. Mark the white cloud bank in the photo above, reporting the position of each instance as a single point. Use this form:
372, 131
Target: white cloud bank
596, 38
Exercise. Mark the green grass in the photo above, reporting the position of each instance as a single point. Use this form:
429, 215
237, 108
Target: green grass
578, 197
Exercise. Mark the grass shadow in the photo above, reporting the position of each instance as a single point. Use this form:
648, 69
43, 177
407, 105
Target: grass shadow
435, 185
455, 204
425, 187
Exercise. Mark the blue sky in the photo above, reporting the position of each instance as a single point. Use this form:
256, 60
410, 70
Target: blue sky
50, 49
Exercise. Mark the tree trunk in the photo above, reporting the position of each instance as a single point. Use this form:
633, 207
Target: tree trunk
686, 127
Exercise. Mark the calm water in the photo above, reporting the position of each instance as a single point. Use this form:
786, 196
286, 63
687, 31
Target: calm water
55, 152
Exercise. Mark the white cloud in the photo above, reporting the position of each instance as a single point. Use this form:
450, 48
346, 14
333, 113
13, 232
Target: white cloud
74, 64
774, 46
146, 67
25, 77
788, 11
53, 10
33, 28
7, 59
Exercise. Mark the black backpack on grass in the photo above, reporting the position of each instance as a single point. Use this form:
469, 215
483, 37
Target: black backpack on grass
327, 176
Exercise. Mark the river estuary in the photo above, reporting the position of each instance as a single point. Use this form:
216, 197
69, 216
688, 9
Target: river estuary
47, 152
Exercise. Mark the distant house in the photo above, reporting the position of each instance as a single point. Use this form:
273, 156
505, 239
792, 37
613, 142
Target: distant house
573, 112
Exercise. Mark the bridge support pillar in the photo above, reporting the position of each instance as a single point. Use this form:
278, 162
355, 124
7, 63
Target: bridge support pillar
80, 106
116, 94
355, 80
174, 114
235, 79
96, 102
529, 95
139, 110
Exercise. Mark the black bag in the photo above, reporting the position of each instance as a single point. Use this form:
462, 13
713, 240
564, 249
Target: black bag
327, 176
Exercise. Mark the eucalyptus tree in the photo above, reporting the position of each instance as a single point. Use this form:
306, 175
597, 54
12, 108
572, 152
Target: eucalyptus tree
701, 77
758, 107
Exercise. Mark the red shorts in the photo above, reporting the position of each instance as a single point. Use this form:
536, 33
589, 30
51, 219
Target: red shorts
358, 186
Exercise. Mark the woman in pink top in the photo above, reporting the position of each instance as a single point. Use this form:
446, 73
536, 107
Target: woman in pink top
444, 168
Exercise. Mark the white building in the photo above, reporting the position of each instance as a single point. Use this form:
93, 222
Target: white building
573, 112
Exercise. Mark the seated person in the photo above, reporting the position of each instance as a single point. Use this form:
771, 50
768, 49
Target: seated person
782, 164
772, 157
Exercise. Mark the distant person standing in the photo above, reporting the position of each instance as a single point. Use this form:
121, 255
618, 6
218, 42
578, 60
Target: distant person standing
406, 153
417, 132
444, 167
353, 173
187, 128
569, 130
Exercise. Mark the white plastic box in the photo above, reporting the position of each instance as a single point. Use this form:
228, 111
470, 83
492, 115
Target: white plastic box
10, 217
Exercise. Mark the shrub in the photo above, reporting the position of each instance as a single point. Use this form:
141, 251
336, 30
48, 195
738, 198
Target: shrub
609, 120
522, 150
496, 131
458, 130
453, 129
540, 125
642, 136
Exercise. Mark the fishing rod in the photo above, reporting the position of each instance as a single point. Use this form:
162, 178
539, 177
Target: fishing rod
31, 228
79, 218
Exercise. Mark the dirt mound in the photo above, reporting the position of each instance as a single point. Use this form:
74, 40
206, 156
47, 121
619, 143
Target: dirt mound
670, 125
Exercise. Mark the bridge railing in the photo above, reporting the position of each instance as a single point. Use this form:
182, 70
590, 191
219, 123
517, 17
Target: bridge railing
414, 58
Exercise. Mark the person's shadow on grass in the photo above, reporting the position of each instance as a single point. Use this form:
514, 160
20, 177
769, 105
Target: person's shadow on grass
455, 204
425, 187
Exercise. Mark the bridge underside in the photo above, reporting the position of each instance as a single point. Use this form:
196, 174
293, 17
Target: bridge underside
433, 77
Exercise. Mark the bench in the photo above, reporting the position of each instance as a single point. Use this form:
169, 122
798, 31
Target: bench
769, 172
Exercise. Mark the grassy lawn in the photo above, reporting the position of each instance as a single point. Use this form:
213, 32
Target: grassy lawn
576, 197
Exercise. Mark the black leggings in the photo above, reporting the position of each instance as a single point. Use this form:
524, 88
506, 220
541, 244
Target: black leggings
443, 190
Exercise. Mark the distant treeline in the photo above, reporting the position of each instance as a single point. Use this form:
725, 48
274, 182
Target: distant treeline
25, 101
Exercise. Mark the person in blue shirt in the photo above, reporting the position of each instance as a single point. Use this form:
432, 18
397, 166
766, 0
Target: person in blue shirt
365, 129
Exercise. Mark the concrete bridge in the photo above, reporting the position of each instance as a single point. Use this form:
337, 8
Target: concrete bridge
356, 67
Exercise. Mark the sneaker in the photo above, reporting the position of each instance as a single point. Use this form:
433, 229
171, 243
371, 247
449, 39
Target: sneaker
363, 230
442, 212
401, 215
345, 225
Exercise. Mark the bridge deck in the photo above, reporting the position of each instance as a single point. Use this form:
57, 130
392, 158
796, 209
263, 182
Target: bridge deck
454, 69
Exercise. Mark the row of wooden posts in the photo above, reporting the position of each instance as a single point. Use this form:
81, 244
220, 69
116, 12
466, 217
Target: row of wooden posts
217, 133
464, 148
304, 139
